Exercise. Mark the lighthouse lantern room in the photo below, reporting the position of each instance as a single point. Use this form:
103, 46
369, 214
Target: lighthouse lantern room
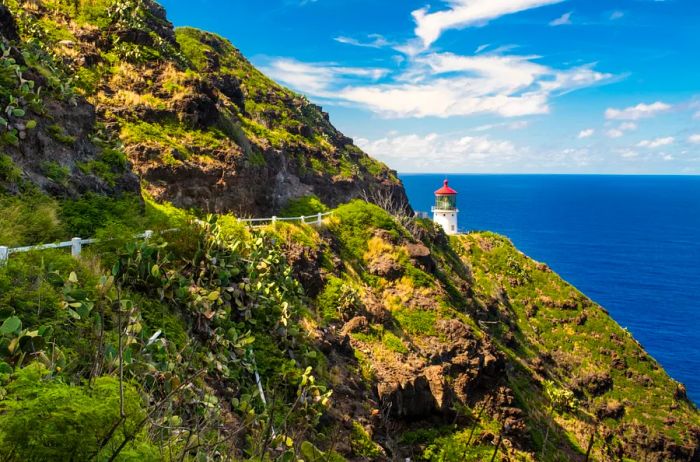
445, 209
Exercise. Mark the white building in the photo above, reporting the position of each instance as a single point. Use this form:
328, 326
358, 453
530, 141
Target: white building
445, 209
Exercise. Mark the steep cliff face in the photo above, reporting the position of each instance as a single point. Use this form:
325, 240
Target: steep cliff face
49, 135
373, 337
364, 339
471, 331
198, 123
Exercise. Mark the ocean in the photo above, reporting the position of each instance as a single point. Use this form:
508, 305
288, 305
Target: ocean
631, 243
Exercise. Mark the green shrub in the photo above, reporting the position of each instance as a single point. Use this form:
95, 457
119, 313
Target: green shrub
361, 443
357, 220
26, 289
57, 133
303, 206
84, 216
338, 301
55, 171
29, 219
416, 321
44, 419
8, 170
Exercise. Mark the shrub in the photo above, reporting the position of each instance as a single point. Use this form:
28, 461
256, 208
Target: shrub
8, 170
338, 301
29, 219
356, 221
361, 443
303, 206
84, 216
45, 419
55, 171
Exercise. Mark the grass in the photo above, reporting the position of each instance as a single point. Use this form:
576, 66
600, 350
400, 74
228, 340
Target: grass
171, 136
303, 206
496, 263
56, 132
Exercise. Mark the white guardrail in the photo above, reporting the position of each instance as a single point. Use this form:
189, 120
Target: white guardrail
76, 244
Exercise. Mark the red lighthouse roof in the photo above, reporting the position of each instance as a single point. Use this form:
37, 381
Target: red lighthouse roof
445, 190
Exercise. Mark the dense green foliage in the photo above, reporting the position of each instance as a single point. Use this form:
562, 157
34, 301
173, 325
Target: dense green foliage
303, 206
211, 341
75, 420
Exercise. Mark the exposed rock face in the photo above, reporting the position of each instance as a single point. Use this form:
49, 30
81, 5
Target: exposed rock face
595, 383
463, 369
201, 126
8, 26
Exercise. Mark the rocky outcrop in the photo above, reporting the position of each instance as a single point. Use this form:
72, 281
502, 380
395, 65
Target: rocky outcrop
460, 369
221, 137
8, 26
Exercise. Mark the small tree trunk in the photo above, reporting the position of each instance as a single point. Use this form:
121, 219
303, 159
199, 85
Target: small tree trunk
121, 354
498, 446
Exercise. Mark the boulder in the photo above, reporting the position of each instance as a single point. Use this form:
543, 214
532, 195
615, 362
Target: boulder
8, 26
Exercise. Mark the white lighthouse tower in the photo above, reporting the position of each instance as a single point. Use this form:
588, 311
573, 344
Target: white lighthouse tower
445, 209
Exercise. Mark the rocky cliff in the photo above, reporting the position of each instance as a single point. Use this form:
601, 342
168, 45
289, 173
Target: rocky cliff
100, 92
372, 337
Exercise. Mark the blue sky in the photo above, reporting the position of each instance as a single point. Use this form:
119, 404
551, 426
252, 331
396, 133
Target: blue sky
486, 86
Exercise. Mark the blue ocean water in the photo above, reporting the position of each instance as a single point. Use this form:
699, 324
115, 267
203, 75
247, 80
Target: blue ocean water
631, 243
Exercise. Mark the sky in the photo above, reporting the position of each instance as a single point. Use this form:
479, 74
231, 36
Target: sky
485, 86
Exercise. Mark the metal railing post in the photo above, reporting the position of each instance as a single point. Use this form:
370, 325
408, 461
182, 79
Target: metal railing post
274, 220
76, 246
303, 219
320, 218
4, 254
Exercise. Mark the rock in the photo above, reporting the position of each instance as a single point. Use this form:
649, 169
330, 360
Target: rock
385, 266
306, 267
356, 324
420, 256
412, 398
156, 22
230, 86
681, 393
595, 383
198, 107
618, 362
611, 410
8, 25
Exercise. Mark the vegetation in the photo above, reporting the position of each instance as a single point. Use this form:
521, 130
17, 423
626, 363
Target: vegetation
373, 337
303, 206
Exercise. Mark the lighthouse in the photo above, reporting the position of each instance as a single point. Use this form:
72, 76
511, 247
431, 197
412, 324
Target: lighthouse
445, 208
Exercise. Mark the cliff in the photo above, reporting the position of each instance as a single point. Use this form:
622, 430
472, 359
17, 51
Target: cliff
100, 92
372, 337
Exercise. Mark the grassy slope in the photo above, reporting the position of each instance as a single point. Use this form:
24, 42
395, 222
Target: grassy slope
552, 318
210, 317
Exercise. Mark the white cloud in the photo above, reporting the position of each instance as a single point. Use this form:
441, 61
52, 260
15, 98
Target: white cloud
621, 129
587, 133
563, 20
414, 152
628, 153
617, 15
516, 125
374, 41
695, 139
640, 111
464, 13
656, 143
441, 85
317, 78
